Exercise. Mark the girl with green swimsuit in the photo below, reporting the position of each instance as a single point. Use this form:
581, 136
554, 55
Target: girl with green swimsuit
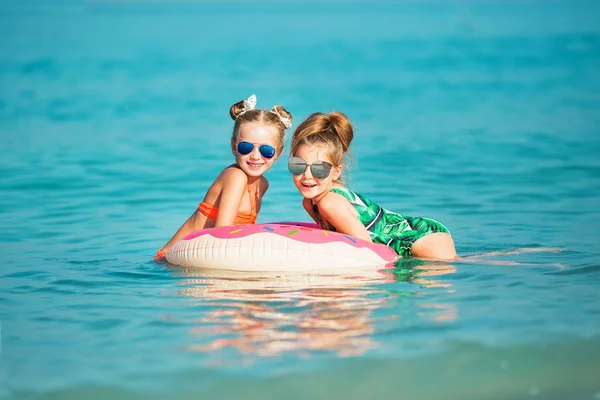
318, 150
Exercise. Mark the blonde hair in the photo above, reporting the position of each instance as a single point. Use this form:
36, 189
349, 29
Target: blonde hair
333, 130
268, 117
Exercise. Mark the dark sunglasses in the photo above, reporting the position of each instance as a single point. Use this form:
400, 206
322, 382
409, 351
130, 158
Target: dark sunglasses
318, 169
266, 150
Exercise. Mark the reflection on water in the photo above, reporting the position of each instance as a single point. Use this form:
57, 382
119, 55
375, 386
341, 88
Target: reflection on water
270, 314
420, 272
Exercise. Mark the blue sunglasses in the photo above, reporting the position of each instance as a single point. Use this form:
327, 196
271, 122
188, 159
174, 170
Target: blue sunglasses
266, 150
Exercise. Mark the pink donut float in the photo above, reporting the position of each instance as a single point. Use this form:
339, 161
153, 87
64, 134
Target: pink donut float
277, 246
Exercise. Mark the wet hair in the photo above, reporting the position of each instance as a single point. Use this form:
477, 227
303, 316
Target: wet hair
267, 117
333, 131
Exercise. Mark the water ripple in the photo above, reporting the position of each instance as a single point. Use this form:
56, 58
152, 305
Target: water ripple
114, 124
589, 270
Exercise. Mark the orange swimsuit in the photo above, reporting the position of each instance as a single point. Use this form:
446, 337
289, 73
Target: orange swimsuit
211, 211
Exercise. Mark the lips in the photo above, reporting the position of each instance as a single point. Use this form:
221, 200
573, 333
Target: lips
254, 165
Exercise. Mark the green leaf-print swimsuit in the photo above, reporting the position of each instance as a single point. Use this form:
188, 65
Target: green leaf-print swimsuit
394, 230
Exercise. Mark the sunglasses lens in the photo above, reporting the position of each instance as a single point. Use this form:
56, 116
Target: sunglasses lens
296, 166
320, 170
245, 148
267, 151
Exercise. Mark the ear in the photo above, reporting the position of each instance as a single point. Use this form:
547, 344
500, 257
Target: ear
336, 172
278, 153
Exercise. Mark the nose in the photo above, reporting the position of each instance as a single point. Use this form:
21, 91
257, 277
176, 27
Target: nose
307, 172
255, 154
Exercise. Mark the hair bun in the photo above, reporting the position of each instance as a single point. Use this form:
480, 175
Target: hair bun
283, 114
241, 107
340, 124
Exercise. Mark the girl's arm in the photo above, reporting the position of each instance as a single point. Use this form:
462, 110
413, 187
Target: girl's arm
234, 185
336, 209
190, 225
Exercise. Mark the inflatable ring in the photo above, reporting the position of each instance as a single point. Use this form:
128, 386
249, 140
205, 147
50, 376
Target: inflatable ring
278, 246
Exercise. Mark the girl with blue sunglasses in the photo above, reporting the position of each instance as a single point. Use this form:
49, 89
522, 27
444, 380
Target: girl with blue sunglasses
318, 149
235, 197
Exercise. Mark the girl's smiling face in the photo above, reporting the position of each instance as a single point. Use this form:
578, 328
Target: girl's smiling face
254, 164
309, 186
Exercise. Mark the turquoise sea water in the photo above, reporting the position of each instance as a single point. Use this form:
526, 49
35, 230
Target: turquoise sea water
114, 119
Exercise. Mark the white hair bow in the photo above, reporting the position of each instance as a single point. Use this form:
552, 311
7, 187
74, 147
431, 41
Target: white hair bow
286, 121
249, 104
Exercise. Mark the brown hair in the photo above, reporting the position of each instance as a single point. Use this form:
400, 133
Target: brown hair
268, 117
333, 130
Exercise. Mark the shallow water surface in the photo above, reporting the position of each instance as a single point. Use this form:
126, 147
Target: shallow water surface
114, 119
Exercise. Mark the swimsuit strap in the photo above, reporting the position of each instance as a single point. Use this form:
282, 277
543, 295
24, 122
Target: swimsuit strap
344, 192
211, 211
208, 210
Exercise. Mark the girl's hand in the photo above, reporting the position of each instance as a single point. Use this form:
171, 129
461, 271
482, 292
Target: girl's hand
160, 254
